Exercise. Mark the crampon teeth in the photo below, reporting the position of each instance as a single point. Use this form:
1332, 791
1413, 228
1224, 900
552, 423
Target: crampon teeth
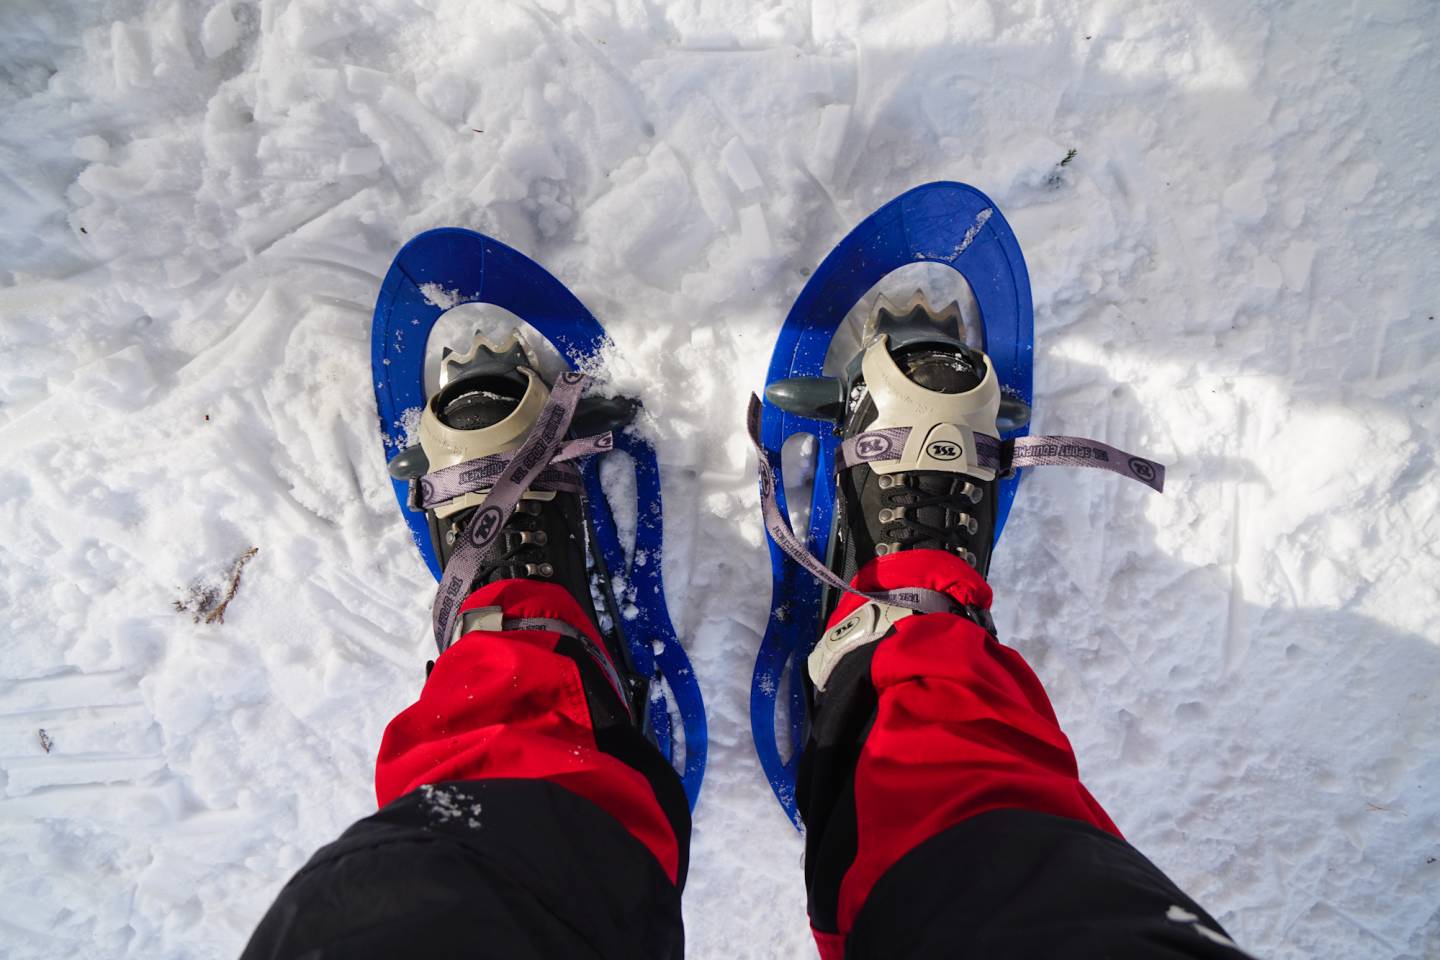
947, 320
948, 315
513, 348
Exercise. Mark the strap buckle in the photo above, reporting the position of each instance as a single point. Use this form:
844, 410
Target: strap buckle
870, 622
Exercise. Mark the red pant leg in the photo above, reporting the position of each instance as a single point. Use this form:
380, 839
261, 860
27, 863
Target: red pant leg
514, 705
960, 726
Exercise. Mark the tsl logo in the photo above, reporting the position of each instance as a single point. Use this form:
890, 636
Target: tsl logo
944, 450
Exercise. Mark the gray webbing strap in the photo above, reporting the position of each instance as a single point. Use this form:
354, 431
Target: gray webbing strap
448, 483
540, 445
1005, 455
493, 620
1061, 451
919, 599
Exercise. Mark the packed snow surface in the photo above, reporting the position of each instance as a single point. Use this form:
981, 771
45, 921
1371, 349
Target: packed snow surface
1235, 273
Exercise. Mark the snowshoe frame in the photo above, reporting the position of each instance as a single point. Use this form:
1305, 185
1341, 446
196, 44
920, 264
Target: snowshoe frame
474, 268
944, 222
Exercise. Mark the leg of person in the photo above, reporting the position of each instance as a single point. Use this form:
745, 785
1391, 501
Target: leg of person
522, 814
944, 811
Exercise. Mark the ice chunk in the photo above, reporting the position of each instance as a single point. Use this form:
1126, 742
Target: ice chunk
740, 167
754, 234
829, 138
364, 82
219, 31
91, 148
359, 161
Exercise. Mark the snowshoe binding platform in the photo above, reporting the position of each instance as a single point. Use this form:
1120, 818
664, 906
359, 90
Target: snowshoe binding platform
497, 473
921, 431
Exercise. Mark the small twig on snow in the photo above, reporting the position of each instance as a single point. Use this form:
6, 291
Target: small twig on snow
217, 615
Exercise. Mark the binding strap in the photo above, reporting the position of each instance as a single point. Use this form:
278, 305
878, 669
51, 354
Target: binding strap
438, 488
1004, 456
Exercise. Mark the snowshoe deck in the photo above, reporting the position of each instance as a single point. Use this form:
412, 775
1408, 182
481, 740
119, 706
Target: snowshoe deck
468, 267
945, 223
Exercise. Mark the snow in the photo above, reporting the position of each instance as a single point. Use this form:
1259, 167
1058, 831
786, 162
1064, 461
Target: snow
740, 167
218, 31
437, 296
1234, 274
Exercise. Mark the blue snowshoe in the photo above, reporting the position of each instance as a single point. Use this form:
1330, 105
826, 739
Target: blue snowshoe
495, 391
931, 407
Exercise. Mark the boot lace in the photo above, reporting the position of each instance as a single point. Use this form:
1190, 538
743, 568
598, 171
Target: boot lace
929, 510
522, 551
